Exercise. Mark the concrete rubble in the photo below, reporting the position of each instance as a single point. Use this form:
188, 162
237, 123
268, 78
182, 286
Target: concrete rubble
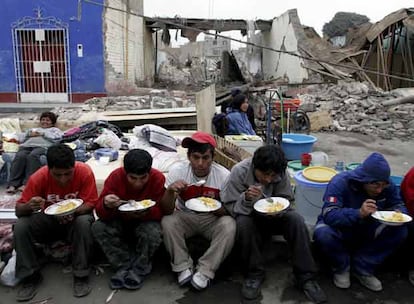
357, 107
351, 106
153, 99
145, 98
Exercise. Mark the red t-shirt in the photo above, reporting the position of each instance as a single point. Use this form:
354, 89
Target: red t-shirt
407, 191
117, 184
42, 184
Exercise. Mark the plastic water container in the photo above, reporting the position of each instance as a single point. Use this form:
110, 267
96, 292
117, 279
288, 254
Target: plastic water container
108, 153
308, 198
294, 145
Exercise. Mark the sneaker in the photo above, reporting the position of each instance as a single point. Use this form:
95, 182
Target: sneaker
81, 287
29, 287
199, 281
342, 280
185, 276
369, 281
251, 288
411, 277
314, 292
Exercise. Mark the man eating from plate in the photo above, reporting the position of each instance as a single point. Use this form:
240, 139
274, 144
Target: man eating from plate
128, 231
62, 179
346, 233
183, 185
264, 175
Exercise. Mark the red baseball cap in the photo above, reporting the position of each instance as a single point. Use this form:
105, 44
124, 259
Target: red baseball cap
199, 137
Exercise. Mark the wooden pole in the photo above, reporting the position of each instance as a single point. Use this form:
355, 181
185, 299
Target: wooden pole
382, 61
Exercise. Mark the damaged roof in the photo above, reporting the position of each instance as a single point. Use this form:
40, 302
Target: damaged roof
219, 25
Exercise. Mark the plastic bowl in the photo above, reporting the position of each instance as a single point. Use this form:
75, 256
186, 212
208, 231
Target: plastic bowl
294, 145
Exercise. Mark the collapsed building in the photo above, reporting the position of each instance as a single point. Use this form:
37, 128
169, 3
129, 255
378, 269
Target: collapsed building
135, 52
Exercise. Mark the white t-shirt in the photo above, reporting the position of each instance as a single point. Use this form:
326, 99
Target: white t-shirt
215, 181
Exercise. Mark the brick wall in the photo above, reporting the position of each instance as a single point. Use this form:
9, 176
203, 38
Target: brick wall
124, 44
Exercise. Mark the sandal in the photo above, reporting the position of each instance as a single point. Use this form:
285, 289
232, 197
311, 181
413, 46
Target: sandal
11, 190
81, 287
133, 281
118, 279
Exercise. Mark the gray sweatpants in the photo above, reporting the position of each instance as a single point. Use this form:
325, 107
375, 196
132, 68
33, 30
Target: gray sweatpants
179, 226
42, 228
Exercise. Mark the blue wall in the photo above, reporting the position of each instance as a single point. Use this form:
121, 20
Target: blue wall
87, 72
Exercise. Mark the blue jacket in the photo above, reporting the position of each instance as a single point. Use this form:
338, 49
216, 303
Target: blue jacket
239, 123
345, 195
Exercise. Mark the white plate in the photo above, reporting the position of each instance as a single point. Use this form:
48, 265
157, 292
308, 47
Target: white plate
264, 205
59, 208
384, 217
196, 204
136, 205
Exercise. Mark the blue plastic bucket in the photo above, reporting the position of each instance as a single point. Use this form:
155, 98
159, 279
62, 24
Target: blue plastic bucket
295, 144
308, 198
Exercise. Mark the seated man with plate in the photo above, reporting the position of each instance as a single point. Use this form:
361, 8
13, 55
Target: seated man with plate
195, 186
51, 209
356, 230
253, 183
130, 208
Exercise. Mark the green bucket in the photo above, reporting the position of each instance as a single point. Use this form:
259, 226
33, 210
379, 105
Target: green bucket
352, 166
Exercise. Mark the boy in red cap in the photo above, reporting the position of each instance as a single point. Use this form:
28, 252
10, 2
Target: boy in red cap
217, 226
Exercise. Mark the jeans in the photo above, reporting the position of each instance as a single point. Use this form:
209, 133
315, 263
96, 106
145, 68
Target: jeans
252, 230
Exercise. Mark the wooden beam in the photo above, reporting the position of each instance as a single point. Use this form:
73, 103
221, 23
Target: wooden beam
323, 73
382, 61
362, 72
220, 25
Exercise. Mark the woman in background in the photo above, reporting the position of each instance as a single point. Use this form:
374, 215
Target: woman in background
237, 118
34, 145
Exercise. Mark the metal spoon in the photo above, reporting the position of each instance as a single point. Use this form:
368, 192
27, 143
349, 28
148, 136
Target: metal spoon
268, 198
199, 183
130, 202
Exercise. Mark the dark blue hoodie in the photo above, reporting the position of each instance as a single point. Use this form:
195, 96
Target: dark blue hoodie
345, 195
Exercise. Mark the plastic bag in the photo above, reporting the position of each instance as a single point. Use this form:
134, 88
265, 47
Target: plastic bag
108, 139
8, 276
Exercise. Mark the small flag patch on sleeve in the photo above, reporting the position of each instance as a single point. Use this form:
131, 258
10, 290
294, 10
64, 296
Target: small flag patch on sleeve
332, 199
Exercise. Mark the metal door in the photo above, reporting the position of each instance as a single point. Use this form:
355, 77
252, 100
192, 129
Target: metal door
42, 64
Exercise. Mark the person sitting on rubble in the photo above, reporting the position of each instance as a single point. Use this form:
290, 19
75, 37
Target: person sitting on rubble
35, 143
264, 175
407, 192
237, 118
61, 179
347, 235
199, 176
130, 238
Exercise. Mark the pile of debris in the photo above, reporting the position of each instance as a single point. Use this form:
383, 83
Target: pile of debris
359, 107
146, 99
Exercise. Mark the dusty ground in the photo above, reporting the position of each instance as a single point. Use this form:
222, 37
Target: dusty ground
355, 147
161, 287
